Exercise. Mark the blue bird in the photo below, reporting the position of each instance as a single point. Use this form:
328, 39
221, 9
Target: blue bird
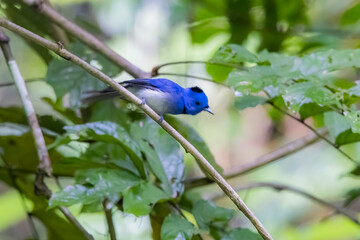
162, 95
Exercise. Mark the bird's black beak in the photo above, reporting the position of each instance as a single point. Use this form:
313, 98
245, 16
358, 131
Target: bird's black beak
207, 109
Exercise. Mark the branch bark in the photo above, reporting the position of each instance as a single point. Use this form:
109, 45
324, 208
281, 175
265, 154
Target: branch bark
58, 49
281, 187
44, 168
266, 159
87, 38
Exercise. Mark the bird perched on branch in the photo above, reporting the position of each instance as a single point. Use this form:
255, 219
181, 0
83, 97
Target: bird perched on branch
162, 95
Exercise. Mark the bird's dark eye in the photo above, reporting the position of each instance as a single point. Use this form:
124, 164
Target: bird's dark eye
197, 103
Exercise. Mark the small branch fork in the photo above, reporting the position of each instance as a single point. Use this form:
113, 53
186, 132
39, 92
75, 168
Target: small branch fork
334, 145
281, 187
263, 160
44, 168
229, 191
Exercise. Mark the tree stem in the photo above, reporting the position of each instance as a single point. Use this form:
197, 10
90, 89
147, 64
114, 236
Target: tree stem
109, 220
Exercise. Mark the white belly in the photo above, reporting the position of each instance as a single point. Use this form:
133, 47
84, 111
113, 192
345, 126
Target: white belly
157, 100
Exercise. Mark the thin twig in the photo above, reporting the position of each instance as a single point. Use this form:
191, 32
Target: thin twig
86, 38
109, 219
44, 167
192, 76
58, 49
281, 187
334, 145
155, 70
75, 222
26, 81
263, 160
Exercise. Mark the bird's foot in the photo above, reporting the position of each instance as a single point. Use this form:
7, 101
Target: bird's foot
161, 119
143, 101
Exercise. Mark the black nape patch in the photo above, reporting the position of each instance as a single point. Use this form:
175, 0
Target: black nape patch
196, 89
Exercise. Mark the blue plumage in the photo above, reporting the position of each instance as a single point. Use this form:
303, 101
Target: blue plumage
162, 95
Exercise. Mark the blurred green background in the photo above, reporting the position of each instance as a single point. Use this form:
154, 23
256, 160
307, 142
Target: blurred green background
152, 32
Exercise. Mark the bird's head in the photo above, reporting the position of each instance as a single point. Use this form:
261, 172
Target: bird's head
196, 101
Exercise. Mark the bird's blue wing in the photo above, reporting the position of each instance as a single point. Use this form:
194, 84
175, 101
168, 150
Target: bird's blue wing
157, 84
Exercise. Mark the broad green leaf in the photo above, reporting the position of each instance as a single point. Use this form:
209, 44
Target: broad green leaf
140, 199
354, 91
336, 123
195, 139
12, 129
65, 77
20, 151
163, 154
207, 213
351, 15
340, 128
233, 54
13, 114
94, 185
176, 227
110, 132
246, 101
311, 109
353, 118
242, 233
108, 153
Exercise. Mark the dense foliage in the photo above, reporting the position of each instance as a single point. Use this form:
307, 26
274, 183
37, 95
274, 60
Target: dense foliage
113, 153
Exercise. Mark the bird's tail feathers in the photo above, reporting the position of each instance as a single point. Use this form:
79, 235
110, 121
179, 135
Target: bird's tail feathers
94, 96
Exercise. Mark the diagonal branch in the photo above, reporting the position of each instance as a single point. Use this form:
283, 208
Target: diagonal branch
281, 187
191, 76
87, 38
155, 70
228, 190
263, 160
334, 145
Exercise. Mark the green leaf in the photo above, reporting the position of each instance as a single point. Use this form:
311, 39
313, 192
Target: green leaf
351, 15
311, 109
233, 54
340, 128
176, 227
246, 101
351, 196
96, 185
207, 213
195, 139
140, 199
110, 132
12, 129
163, 154
353, 118
57, 227
65, 77
242, 233
336, 123
354, 91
